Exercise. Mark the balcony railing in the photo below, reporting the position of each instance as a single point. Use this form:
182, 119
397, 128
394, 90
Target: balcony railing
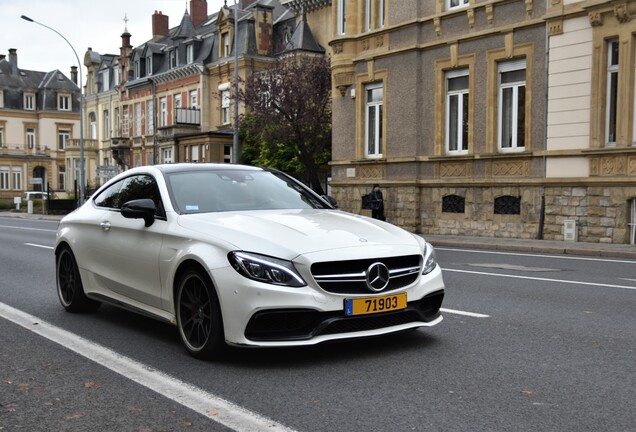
188, 116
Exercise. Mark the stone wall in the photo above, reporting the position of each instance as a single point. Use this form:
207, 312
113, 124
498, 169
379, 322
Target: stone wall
602, 213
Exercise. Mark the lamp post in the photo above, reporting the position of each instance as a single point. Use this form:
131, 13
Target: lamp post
235, 141
81, 107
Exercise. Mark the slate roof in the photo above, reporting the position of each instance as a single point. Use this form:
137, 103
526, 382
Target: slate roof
303, 39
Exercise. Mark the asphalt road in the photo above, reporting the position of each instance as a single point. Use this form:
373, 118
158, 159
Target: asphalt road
529, 342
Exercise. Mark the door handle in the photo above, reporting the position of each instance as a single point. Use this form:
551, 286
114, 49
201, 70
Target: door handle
105, 226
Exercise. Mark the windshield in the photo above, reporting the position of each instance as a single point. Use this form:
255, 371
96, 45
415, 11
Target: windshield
237, 190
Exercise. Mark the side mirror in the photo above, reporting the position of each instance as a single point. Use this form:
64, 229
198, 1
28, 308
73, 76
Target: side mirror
330, 200
140, 209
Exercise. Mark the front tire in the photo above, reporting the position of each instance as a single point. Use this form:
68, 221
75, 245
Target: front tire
199, 315
70, 289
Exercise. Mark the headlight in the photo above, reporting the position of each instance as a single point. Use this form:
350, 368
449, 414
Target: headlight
430, 260
265, 269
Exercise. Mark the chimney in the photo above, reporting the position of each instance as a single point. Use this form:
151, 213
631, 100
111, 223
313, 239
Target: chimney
2, 57
13, 60
160, 26
198, 11
74, 74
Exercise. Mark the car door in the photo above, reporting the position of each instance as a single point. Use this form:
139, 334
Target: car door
126, 252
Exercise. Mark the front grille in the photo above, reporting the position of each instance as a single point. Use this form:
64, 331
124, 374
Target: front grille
304, 324
349, 277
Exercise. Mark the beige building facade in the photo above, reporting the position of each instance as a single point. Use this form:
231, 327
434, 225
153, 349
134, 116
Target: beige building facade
487, 118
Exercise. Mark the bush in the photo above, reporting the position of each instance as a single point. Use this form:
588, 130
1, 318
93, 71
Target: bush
6, 204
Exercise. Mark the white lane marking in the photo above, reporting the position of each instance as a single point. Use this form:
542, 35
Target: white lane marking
27, 228
470, 314
39, 246
567, 257
631, 280
541, 279
207, 404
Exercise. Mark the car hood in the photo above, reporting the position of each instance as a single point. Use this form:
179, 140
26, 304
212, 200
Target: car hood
289, 233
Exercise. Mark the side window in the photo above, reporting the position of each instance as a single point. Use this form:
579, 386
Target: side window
128, 189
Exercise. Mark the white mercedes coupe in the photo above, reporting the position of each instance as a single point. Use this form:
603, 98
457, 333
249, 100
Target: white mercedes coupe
243, 256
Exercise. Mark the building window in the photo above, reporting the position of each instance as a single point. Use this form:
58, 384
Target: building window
225, 45
163, 104
63, 136
189, 53
612, 91
1, 136
125, 122
177, 101
117, 128
195, 153
453, 204
367, 14
29, 102
512, 105
225, 107
342, 18
194, 99
138, 119
507, 205
381, 12
457, 111
16, 177
173, 59
454, 4
106, 120
1, 99
61, 177
4, 178
149, 65
137, 69
227, 153
64, 102
167, 155
92, 120
373, 120
30, 138
150, 117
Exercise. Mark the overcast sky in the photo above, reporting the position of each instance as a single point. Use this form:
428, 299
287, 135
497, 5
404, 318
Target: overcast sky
85, 23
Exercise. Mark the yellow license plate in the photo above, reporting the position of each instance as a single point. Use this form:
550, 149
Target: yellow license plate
371, 305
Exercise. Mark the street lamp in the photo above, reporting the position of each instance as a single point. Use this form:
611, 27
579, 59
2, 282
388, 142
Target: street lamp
235, 141
81, 107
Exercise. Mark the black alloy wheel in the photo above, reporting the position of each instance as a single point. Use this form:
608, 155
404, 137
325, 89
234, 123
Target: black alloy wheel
69, 284
199, 315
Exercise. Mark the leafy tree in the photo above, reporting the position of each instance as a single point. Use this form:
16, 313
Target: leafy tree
287, 124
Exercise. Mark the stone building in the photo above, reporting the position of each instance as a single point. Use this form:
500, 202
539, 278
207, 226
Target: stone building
39, 117
475, 122
170, 99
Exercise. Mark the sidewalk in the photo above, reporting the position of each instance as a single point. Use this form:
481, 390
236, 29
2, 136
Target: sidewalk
539, 246
487, 243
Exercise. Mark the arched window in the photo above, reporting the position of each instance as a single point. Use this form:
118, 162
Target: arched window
453, 204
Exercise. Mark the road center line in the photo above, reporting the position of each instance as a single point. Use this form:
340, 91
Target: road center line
470, 314
27, 228
39, 246
207, 404
541, 279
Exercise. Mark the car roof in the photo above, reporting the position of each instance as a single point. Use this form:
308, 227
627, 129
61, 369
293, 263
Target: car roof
180, 167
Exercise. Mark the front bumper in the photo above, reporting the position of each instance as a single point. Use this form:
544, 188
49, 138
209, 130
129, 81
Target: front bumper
257, 314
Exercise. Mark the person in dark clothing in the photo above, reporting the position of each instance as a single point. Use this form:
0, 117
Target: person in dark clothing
377, 203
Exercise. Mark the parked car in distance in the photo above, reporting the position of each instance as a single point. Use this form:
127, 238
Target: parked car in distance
243, 256
33, 195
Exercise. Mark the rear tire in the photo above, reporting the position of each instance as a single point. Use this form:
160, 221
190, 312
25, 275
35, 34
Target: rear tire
199, 315
70, 290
